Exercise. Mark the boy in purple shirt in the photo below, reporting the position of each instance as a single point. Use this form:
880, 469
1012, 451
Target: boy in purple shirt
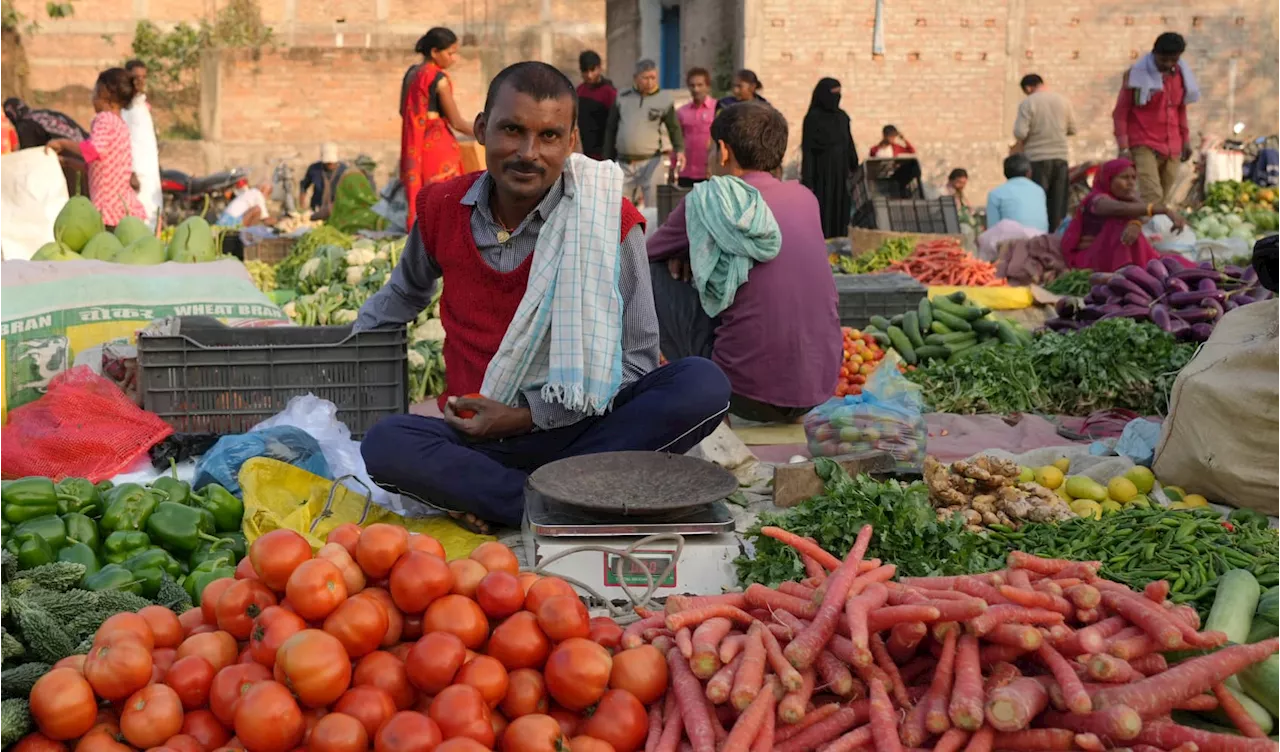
779, 341
695, 122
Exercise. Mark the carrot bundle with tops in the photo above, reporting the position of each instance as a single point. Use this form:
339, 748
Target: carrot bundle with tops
1044, 656
944, 262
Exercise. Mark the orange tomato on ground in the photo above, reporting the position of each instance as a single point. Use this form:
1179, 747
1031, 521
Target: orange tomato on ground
63, 705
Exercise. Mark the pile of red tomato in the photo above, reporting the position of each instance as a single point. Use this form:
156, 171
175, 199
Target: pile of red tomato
372, 643
861, 356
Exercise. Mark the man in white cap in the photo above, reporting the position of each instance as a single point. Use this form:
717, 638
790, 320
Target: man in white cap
322, 178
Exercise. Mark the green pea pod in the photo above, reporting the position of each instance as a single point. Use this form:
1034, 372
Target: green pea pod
227, 510
29, 498
82, 529
80, 553
33, 551
196, 581
179, 528
50, 527
78, 495
153, 558
174, 490
128, 507
123, 544
112, 577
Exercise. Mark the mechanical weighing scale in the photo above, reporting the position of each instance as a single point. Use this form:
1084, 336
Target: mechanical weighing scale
581, 505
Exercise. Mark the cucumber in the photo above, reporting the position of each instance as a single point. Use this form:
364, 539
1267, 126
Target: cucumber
1261, 681
937, 327
1233, 606
1006, 335
880, 322
881, 339
1255, 710
1269, 604
925, 310
954, 323
902, 345
896, 320
968, 313
956, 297
931, 352
986, 326
947, 339
961, 346
911, 327
958, 355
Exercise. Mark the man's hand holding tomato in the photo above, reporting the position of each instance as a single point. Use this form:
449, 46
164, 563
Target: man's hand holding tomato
481, 418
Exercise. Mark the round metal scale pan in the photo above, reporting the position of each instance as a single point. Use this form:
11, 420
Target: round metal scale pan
633, 483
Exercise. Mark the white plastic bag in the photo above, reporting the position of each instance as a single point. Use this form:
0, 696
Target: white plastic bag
319, 417
34, 190
1159, 230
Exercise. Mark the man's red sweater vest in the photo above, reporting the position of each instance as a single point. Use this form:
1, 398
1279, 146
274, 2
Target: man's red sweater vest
478, 302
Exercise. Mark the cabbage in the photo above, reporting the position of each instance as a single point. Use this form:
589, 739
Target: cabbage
1243, 233
1233, 220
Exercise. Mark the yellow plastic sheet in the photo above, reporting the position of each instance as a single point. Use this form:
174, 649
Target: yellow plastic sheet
279, 495
995, 298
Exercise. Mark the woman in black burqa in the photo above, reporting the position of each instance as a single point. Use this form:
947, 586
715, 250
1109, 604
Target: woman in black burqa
828, 157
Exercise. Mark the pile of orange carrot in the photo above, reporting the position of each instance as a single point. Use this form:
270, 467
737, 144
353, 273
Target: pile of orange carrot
1043, 656
944, 262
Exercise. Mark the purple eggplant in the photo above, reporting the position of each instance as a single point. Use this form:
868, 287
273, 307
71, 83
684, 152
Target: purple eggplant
1206, 265
1139, 277
1192, 276
1129, 312
1201, 332
1157, 270
1093, 313
1216, 306
1250, 276
1172, 264
1173, 284
1241, 299
1230, 304
1263, 293
1231, 270
1177, 325
1099, 278
1183, 299
1198, 314
1207, 285
1161, 317
1123, 285
1100, 291
1064, 325
1134, 298
1066, 307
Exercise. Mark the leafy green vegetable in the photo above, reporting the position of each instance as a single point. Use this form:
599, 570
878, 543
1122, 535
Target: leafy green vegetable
1117, 363
907, 531
1074, 283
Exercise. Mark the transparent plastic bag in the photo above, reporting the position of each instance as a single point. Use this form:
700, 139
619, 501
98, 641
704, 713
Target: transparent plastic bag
287, 444
888, 416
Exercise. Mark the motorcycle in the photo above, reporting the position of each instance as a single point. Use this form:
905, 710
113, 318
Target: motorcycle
187, 196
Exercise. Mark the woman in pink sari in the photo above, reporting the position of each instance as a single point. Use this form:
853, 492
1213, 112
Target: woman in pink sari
1106, 231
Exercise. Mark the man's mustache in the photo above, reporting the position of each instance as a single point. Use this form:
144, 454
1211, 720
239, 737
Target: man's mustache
521, 165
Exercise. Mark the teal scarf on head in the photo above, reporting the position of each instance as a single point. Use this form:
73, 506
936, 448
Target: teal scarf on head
730, 229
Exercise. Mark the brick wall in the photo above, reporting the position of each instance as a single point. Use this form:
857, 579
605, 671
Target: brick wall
948, 76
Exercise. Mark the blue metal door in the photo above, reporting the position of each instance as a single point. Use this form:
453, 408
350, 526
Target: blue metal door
671, 74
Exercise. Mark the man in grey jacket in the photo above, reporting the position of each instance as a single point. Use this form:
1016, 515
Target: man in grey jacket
641, 133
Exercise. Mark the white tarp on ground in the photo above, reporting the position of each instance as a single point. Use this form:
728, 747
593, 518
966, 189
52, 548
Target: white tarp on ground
33, 190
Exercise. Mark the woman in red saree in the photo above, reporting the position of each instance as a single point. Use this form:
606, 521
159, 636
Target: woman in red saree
429, 152
1106, 231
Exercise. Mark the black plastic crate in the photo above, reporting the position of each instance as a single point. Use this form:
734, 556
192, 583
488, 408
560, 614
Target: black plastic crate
226, 380
865, 295
668, 196
875, 178
936, 216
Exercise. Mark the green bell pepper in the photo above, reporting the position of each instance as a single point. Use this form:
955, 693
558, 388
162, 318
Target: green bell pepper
33, 551
174, 490
104, 485
227, 510
153, 558
112, 577
82, 529
50, 527
78, 495
180, 528
198, 579
219, 549
122, 544
28, 498
6, 527
239, 545
80, 553
128, 507
149, 580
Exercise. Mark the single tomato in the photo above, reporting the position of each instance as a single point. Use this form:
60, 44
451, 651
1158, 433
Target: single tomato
190, 619
62, 704
563, 616
395, 620
500, 594
641, 671
467, 574
245, 570
378, 548
191, 678
230, 685
164, 624
577, 673
315, 666
352, 574
346, 535
545, 588
151, 715
370, 705
519, 642
272, 627
619, 719
118, 665
487, 675
210, 596
417, 579
425, 543
589, 744
408, 731
275, 556
387, 672
129, 622
606, 633
338, 732
460, 616
315, 589
203, 726
240, 604
434, 660
38, 742
568, 720
526, 693
183, 743
496, 557
360, 624
460, 710
533, 733
268, 719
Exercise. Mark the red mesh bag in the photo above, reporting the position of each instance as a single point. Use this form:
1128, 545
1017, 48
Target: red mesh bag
84, 427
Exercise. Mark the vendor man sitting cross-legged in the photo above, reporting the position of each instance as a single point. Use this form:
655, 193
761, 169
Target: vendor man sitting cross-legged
547, 311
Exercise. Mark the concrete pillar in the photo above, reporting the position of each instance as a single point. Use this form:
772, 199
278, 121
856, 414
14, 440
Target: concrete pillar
622, 22
1015, 49
752, 28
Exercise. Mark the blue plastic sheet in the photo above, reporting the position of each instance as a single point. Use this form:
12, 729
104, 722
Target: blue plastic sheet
221, 464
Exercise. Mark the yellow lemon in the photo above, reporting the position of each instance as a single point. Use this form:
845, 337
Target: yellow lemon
1142, 478
1049, 476
1087, 508
1063, 464
1026, 475
1180, 506
1195, 501
1084, 487
1061, 491
1140, 501
1110, 506
1122, 489
1174, 493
